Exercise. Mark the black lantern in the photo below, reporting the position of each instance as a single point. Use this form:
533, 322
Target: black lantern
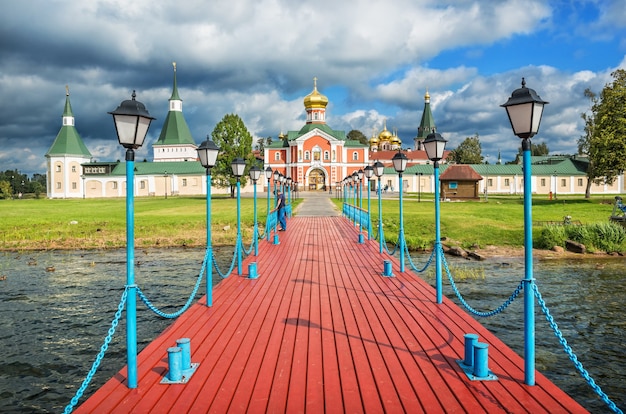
255, 173
238, 165
368, 171
399, 162
524, 109
378, 169
434, 145
132, 121
207, 152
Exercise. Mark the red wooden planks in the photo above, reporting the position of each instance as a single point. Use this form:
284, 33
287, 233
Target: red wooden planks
321, 330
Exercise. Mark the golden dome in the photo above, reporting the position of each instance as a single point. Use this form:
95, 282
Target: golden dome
396, 140
315, 99
374, 140
384, 135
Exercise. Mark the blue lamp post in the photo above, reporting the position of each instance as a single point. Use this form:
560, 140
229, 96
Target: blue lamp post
207, 153
268, 175
238, 166
369, 172
399, 164
255, 174
378, 172
289, 181
434, 145
355, 178
525, 109
276, 177
132, 121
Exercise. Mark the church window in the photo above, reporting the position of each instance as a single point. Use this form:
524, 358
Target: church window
58, 185
58, 167
506, 182
355, 156
316, 155
326, 156
277, 156
184, 182
307, 155
73, 168
114, 185
142, 184
74, 185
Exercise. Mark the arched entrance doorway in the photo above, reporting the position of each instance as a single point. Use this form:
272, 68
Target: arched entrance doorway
317, 178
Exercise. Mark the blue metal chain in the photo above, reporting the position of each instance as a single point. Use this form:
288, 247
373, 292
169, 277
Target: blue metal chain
245, 251
150, 306
232, 265
428, 262
570, 353
118, 314
499, 309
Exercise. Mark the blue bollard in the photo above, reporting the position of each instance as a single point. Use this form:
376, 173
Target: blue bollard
387, 268
174, 360
470, 340
252, 273
185, 345
481, 359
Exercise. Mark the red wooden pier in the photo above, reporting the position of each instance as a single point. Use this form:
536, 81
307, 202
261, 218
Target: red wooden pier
322, 331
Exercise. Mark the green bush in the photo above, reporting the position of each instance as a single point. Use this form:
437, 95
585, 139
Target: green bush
609, 237
552, 235
606, 236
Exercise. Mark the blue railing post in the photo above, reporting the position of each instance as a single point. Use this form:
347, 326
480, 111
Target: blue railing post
438, 282
209, 243
380, 219
268, 229
131, 298
255, 233
239, 241
369, 215
401, 235
529, 299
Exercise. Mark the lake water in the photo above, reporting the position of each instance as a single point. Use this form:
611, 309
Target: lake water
52, 323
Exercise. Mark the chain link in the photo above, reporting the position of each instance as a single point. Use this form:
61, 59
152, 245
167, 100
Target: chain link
570, 353
105, 346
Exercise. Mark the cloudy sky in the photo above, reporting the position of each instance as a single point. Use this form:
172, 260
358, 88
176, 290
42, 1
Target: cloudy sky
374, 61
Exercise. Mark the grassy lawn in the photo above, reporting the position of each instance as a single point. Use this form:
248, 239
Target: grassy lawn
181, 221
101, 223
500, 221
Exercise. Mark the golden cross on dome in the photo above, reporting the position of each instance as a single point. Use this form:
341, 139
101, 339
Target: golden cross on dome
315, 83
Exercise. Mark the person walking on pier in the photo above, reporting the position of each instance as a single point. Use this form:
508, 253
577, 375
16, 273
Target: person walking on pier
280, 205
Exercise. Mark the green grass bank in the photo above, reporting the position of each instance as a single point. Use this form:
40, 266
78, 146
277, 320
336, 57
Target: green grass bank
43, 224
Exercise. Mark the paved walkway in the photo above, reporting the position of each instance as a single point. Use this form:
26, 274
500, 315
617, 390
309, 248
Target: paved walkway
316, 204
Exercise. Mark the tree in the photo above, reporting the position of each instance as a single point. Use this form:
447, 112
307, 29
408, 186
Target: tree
234, 140
5, 189
357, 135
604, 140
468, 152
536, 150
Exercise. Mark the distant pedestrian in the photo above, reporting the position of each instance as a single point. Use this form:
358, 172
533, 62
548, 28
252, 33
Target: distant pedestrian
280, 206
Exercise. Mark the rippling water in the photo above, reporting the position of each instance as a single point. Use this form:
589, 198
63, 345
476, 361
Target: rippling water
52, 323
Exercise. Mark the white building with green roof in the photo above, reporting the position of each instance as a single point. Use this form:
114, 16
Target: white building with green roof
65, 158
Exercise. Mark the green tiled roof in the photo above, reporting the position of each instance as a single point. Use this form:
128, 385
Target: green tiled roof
292, 135
162, 168
175, 130
68, 141
427, 124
